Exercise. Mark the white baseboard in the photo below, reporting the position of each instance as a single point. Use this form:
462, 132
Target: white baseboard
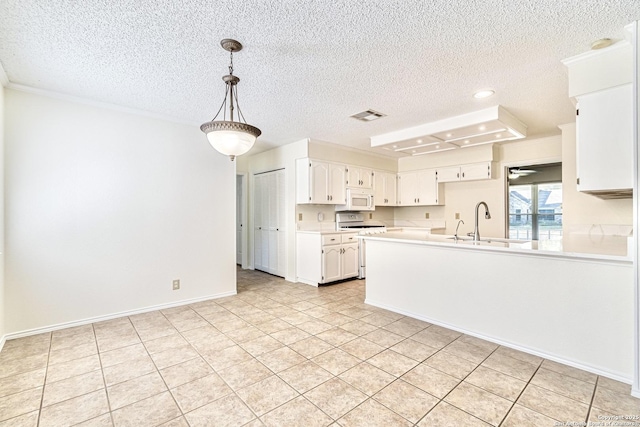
96, 319
3, 340
549, 356
306, 282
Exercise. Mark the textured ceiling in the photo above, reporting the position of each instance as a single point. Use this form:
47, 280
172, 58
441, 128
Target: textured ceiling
308, 65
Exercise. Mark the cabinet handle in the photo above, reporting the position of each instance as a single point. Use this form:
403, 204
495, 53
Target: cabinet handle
327, 197
330, 197
458, 175
333, 240
463, 174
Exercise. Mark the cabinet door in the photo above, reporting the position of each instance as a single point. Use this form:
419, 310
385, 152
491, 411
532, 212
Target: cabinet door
449, 174
407, 189
605, 140
366, 178
337, 184
319, 185
391, 186
331, 263
359, 177
427, 187
350, 262
379, 189
476, 171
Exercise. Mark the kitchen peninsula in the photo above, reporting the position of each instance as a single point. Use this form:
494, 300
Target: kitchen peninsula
571, 307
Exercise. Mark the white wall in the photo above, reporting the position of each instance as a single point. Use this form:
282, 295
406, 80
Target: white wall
580, 209
105, 208
2, 301
321, 150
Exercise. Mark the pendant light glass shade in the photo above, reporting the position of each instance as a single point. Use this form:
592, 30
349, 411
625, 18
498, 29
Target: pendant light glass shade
229, 137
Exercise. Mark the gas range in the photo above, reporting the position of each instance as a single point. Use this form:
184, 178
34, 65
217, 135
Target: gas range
354, 221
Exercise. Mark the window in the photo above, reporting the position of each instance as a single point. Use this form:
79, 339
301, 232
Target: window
535, 202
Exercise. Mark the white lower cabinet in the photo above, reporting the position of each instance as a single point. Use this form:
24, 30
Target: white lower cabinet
324, 258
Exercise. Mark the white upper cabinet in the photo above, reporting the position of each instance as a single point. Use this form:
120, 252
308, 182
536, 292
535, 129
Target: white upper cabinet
385, 188
605, 142
470, 172
419, 188
320, 182
448, 174
359, 177
601, 83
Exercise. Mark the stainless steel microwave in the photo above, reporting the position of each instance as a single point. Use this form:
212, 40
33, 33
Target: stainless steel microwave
358, 199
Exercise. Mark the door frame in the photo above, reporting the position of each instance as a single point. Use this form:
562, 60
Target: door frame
243, 198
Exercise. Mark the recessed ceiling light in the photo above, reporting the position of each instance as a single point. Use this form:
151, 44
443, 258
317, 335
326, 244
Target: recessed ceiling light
498, 135
437, 146
413, 151
466, 141
394, 146
419, 141
483, 93
482, 127
449, 135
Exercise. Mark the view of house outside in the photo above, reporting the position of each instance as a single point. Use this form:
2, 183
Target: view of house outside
535, 211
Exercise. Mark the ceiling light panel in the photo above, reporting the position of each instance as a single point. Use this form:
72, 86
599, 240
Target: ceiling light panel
494, 124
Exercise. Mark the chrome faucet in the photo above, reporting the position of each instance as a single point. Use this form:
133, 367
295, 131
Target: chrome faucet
487, 215
455, 236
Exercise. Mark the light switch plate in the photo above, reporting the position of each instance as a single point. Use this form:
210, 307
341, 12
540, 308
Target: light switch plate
457, 215
426, 215
176, 284
299, 217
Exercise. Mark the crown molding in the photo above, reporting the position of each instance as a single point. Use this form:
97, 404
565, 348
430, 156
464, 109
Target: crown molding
98, 104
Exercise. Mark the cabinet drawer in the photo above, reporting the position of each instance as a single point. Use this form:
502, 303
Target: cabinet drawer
349, 238
331, 239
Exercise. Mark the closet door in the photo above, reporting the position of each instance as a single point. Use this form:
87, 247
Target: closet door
270, 219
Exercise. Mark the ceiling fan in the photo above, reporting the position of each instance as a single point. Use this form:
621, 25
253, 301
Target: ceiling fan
517, 172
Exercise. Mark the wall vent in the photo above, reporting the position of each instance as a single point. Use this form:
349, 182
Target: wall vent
369, 115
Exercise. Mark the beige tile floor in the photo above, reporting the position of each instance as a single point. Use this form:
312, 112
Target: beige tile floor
283, 354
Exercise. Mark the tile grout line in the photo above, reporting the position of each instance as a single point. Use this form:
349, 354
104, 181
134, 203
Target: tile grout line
44, 384
521, 393
593, 396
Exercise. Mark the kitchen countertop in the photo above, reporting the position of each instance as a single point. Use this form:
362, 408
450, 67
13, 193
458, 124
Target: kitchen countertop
604, 248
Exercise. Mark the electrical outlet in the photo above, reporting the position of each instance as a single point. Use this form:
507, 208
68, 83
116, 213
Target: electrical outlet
457, 215
176, 285
426, 215
299, 217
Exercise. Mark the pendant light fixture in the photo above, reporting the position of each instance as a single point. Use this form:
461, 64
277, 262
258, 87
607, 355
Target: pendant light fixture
231, 138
